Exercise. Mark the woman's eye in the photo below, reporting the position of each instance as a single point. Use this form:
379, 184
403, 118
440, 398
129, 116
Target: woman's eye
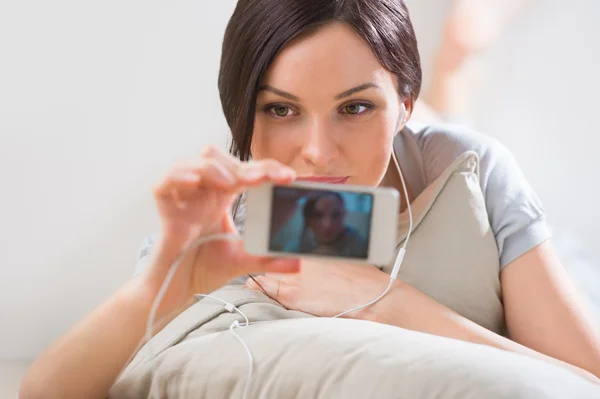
280, 111
355, 109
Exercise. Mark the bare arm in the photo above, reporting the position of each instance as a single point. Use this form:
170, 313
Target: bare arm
409, 308
86, 361
328, 288
193, 201
545, 312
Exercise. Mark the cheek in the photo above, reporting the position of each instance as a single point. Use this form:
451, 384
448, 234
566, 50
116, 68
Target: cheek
314, 226
269, 142
369, 150
337, 225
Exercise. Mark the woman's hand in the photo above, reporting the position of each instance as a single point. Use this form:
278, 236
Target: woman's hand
194, 200
325, 289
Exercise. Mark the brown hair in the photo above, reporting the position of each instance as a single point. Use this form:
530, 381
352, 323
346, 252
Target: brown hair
259, 29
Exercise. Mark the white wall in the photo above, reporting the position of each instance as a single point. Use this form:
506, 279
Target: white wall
536, 90
540, 97
98, 98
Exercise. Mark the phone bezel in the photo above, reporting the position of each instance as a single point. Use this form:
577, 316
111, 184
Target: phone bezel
383, 232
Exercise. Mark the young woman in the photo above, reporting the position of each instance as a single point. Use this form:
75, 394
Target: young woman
325, 231
314, 89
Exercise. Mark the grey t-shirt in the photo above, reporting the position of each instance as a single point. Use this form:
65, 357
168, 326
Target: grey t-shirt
516, 215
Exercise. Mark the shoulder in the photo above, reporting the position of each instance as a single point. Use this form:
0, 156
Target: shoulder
440, 144
456, 135
499, 171
515, 212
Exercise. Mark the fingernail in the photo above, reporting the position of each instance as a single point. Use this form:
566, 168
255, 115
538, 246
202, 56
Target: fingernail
251, 284
227, 178
279, 174
290, 173
251, 173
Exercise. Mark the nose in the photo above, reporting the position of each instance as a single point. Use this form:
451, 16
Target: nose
321, 145
326, 222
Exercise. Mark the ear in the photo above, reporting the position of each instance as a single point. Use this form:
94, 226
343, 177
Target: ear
405, 113
407, 109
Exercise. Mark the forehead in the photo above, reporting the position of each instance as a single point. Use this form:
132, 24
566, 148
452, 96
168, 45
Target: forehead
327, 202
332, 59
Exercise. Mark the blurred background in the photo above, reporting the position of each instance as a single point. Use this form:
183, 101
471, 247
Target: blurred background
97, 99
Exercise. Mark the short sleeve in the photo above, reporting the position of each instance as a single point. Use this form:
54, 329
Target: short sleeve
515, 212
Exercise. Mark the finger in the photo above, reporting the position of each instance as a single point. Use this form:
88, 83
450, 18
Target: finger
180, 182
208, 166
212, 173
276, 276
268, 286
188, 178
271, 266
227, 160
278, 171
247, 172
251, 284
253, 173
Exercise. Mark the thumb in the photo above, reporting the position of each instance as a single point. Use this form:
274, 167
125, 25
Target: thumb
251, 264
266, 264
280, 265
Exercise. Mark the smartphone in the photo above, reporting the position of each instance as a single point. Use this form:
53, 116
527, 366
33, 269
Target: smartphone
327, 221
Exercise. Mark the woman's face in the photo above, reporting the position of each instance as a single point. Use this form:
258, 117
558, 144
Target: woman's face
327, 219
327, 108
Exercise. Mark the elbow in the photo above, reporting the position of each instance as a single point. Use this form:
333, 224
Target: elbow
594, 366
34, 386
38, 383
30, 389
596, 370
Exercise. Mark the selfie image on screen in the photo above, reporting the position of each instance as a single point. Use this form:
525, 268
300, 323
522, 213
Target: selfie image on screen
326, 223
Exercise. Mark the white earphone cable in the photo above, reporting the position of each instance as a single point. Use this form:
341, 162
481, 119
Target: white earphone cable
161, 294
367, 304
399, 258
251, 361
230, 307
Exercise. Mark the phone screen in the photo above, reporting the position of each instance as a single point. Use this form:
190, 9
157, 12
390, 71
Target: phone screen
321, 222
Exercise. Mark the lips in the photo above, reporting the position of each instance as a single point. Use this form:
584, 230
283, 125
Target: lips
324, 179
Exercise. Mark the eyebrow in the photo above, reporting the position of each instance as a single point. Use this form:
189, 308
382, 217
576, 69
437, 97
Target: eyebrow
347, 93
362, 87
279, 92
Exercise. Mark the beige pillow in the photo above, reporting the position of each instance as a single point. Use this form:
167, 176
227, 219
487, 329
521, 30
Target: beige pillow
451, 256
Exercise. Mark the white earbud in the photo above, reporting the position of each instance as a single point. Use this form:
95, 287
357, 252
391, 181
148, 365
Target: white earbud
403, 114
